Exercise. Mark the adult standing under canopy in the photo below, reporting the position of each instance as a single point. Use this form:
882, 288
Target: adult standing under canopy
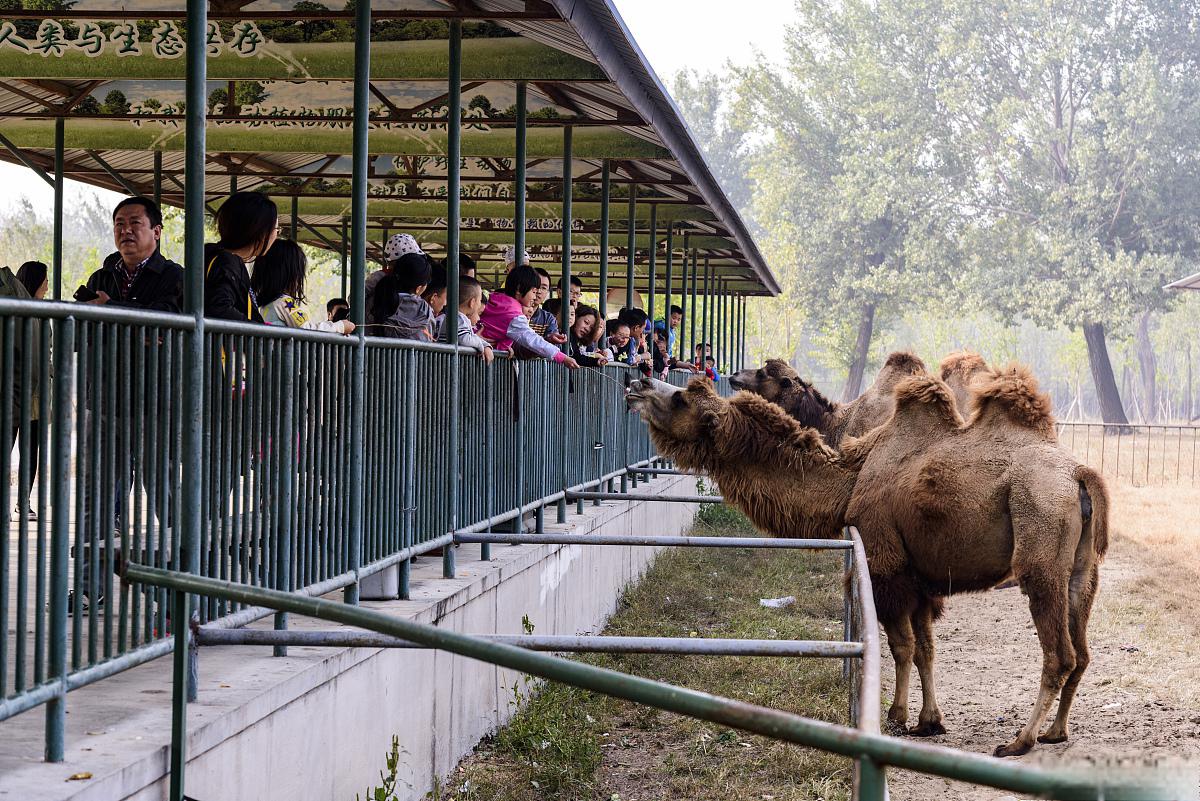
137, 275
248, 224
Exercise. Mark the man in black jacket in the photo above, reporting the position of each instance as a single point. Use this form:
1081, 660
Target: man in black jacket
137, 275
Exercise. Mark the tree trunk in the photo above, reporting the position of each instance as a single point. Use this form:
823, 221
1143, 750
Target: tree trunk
1111, 410
1148, 366
1187, 413
862, 346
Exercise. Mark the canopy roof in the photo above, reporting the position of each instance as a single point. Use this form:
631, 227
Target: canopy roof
116, 78
1191, 282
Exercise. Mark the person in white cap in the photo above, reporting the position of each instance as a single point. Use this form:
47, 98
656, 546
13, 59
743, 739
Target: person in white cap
397, 246
510, 257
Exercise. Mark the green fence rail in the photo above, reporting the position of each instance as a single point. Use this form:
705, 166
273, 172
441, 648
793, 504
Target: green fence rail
871, 750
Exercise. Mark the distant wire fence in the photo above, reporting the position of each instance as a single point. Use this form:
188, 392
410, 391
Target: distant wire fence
1142, 455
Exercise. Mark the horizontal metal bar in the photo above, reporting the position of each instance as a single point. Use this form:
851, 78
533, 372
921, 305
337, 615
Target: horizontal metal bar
662, 471
548, 642
511, 514
58, 310
630, 496
81, 678
654, 541
921, 757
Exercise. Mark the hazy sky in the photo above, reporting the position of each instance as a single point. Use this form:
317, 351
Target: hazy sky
673, 35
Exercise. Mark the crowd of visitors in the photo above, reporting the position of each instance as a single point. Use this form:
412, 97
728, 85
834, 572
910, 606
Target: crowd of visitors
252, 275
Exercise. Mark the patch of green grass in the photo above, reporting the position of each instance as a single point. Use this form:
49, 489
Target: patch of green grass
567, 744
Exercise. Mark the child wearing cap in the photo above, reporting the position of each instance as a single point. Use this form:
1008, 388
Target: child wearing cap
397, 245
397, 309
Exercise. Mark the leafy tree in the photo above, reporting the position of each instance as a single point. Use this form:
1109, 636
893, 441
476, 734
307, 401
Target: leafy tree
1079, 127
702, 98
849, 175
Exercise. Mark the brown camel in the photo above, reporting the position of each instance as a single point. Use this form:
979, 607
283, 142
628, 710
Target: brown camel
959, 370
942, 508
779, 383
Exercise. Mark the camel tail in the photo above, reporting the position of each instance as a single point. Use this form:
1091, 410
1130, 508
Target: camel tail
1093, 498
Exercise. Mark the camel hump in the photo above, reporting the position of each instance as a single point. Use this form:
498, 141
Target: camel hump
904, 362
927, 393
962, 363
1013, 390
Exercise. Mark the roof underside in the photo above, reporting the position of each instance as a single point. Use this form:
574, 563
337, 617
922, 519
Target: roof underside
1191, 282
287, 131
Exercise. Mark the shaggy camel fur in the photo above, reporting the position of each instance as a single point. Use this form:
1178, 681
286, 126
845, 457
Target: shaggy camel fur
779, 383
942, 508
959, 370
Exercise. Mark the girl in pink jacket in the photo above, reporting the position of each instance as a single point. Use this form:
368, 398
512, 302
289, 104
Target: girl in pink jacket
504, 323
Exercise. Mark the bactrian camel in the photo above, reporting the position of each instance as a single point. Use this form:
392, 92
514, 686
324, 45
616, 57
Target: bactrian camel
942, 508
779, 383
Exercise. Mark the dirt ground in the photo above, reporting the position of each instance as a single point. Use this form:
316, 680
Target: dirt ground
1141, 695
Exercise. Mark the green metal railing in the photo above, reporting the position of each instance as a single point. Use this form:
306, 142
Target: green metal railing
871, 750
99, 394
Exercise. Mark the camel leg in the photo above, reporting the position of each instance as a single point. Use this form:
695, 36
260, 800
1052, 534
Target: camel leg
1048, 605
901, 642
929, 722
1082, 593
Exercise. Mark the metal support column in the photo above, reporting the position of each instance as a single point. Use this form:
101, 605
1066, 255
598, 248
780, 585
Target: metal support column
631, 248
294, 225
670, 263
564, 311
59, 132
691, 354
158, 179
605, 191
519, 189
358, 274
343, 253
191, 518
453, 221
650, 267
681, 340
706, 326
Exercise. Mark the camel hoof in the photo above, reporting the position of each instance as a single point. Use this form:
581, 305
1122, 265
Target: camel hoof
1050, 739
928, 730
1012, 749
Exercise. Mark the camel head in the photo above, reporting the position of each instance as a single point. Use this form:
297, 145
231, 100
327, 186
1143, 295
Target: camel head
682, 421
777, 382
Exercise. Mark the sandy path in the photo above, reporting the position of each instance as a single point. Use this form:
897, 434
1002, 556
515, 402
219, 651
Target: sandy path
1141, 695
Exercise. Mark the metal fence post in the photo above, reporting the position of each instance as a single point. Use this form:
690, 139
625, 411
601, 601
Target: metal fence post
60, 534
453, 155
670, 265
358, 269
286, 468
